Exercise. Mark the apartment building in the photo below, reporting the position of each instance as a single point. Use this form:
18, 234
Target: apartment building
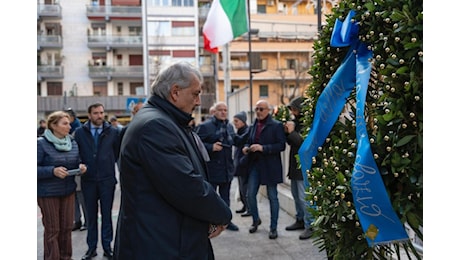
89, 51
94, 50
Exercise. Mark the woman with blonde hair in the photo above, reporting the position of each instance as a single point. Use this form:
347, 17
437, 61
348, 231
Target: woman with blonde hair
58, 161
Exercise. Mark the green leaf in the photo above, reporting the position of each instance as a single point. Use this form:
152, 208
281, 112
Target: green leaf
406, 139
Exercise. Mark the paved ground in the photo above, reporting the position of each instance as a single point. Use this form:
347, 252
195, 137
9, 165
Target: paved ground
230, 244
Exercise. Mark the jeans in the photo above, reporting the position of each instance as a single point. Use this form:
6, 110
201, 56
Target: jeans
272, 192
298, 193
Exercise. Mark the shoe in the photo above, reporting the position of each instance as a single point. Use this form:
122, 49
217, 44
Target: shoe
89, 254
242, 210
76, 225
273, 234
246, 214
297, 225
83, 227
254, 226
108, 253
232, 227
306, 234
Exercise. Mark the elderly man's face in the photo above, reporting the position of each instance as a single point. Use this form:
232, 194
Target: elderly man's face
262, 110
186, 99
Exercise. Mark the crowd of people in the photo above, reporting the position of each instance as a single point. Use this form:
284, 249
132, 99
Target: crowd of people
175, 177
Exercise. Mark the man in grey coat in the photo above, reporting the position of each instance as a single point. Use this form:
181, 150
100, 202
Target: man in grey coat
168, 209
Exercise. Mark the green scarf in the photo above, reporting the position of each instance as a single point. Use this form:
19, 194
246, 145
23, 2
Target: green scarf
64, 144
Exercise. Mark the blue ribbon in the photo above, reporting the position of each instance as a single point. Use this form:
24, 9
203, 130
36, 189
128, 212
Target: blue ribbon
376, 215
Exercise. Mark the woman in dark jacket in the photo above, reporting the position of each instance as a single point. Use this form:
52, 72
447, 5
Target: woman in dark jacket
57, 155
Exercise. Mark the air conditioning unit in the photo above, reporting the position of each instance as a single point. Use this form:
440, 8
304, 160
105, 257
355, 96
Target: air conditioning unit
270, 2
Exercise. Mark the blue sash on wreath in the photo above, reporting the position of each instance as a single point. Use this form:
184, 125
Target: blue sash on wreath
375, 212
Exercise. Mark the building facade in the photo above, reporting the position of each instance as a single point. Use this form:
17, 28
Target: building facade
110, 50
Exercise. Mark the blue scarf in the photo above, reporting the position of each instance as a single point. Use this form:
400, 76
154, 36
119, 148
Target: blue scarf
61, 144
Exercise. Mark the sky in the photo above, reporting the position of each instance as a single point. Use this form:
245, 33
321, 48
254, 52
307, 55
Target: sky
441, 186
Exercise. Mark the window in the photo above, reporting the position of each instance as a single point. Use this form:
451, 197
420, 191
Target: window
183, 28
261, 9
136, 88
99, 59
160, 2
135, 31
159, 28
263, 90
39, 89
100, 89
188, 3
119, 60
120, 88
98, 28
234, 88
264, 64
291, 64
54, 88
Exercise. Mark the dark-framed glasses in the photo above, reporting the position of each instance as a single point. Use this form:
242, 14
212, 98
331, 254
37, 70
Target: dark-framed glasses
260, 108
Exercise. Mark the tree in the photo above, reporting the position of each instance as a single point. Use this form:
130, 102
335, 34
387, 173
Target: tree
297, 69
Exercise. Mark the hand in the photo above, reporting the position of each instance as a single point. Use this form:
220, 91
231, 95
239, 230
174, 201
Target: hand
289, 127
83, 168
245, 150
60, 172
217, 147
256, 148
216, 230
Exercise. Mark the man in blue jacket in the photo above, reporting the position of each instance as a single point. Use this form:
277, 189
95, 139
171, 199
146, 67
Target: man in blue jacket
263, 149
98, 142
217, 135
168, 209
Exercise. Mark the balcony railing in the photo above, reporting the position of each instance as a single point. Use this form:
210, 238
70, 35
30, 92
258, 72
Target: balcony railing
244, 65
49, 41
110, 41
50, 11
49, 72
113, 11
110, 72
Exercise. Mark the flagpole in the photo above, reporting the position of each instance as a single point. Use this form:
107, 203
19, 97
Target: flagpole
250, 61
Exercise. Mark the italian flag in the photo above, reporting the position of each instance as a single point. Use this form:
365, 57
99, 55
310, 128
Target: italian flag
227, 19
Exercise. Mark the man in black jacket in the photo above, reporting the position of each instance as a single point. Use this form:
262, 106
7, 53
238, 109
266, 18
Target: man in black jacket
168, 209
295, 140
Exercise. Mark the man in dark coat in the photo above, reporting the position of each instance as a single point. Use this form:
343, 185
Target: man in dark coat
168, 209
295, 140
98, 143
264, 146
217, 135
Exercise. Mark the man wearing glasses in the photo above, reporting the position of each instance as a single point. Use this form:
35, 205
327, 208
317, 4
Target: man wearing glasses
263, 149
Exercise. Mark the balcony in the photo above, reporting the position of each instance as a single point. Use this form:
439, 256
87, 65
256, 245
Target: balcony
110, 12
110, 72
48, 11
80, 103
49, 41
109, 41
49, 72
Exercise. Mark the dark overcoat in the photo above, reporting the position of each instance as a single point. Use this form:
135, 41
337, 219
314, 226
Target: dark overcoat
220, 166
295, 140
166, 203
268, 163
